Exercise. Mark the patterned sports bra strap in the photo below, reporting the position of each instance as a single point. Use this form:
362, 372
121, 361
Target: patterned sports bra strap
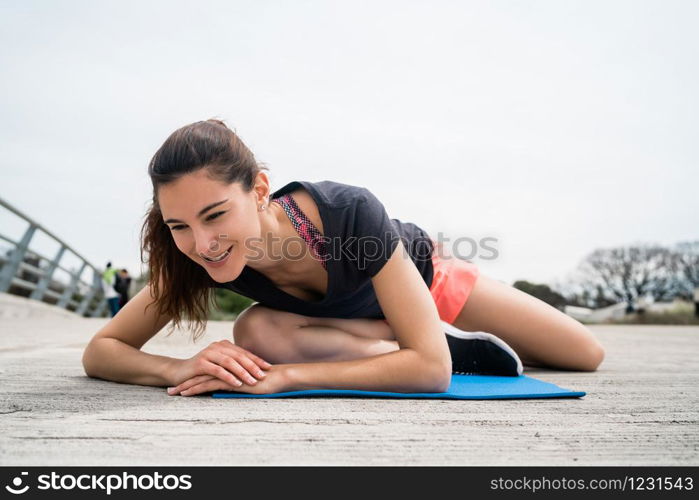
304, 227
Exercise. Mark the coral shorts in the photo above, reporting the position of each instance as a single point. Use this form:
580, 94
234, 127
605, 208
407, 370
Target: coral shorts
452, 283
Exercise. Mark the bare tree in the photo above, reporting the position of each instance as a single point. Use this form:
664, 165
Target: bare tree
629, 272
686, 265
578, 291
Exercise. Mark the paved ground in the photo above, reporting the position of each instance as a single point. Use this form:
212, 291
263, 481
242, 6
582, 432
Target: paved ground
641, 408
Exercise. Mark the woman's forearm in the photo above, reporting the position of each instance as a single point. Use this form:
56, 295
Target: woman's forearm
385, 372
112, 359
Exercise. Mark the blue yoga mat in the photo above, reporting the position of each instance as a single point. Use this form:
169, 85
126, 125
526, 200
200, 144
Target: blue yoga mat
461, 387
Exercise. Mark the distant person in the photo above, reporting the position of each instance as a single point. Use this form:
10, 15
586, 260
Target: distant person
123, 282
110, 293
696, 302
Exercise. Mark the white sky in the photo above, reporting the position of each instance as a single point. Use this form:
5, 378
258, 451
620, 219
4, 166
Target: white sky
554, 126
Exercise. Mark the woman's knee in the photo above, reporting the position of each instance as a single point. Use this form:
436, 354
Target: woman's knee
258, 326
592, 357
541, 334
250, 324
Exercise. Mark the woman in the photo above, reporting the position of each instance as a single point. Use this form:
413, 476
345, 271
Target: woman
341, 291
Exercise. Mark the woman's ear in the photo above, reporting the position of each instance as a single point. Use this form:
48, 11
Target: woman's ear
262, 188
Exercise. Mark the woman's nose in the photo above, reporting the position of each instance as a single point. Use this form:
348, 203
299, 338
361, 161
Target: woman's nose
207, 244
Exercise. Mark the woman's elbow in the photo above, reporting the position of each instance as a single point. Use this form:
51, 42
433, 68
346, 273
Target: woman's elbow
445, 379
88, 360
439, 377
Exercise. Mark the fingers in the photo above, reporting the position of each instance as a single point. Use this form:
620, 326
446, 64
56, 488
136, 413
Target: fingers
239, 362
208, 386
187, 384
255, 358
232, 374
229, 363
260, 362
200, 386
244, 360
233, 366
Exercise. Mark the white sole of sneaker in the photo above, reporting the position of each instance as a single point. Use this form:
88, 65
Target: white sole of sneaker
460, 334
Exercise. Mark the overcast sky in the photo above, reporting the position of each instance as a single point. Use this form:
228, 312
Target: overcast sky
556, 127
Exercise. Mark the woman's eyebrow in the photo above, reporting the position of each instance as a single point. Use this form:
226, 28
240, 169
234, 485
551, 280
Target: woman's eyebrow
202, 211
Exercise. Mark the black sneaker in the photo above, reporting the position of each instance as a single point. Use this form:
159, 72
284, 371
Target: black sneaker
480, 353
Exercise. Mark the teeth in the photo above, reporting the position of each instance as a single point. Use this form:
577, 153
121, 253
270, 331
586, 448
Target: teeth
220, 257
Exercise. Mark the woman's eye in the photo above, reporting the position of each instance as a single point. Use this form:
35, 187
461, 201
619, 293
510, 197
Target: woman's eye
214, 216
210, 217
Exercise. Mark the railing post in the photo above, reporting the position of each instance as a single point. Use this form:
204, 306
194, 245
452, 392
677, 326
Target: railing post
13, 264
99, 310
96, 282
70, 289
10, 269
45, 280
101, 305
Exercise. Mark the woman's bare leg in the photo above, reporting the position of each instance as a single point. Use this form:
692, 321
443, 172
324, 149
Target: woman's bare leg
539, 333
284, 337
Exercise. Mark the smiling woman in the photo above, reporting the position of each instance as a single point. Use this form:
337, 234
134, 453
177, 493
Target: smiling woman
200, 168
367, 304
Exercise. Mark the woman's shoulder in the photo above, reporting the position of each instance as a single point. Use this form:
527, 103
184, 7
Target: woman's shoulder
327, 192
308, 205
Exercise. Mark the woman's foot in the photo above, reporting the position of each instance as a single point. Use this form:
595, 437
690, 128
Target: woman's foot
481, 353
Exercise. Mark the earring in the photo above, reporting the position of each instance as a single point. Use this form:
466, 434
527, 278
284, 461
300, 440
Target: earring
262, 207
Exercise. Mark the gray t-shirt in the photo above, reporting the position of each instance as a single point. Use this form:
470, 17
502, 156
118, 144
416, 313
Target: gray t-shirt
360, 238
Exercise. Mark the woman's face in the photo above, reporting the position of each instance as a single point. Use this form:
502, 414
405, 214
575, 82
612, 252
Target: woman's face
208, 218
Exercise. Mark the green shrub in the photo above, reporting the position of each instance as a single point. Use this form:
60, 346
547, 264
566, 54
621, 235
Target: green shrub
228, 305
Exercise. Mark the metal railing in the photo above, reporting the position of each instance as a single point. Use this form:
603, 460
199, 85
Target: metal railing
24, 271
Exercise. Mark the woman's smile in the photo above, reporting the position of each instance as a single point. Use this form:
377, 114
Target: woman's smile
218, 260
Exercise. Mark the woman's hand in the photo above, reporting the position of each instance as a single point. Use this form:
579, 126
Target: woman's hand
222, 360
276, 380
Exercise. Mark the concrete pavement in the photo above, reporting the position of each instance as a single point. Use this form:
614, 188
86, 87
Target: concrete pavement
641, 408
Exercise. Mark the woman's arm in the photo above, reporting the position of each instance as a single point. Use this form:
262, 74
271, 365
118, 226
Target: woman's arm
423, 362
114, 352
133, 366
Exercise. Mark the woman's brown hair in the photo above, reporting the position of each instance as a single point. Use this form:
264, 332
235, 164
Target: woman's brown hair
181, 287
